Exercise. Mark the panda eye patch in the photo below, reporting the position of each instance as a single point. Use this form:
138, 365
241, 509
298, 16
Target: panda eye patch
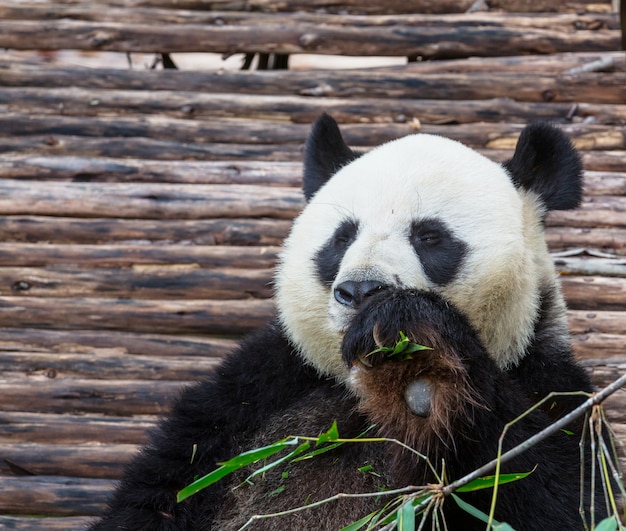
440, 252
329, 257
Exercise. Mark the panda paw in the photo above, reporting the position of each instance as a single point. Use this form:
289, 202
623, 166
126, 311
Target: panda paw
418, 395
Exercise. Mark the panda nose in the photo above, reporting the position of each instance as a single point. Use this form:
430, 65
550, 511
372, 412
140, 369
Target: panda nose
352, 294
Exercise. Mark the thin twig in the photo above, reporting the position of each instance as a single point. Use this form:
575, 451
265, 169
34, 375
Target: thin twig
409, 489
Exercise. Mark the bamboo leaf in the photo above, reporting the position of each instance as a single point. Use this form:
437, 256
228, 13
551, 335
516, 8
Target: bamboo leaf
414, 347
608, 524
359, 524
255, 455
232, 465
204, 482
317, 451
487, 482
502, 526
302, 448
470, 509
406, 517
329, 436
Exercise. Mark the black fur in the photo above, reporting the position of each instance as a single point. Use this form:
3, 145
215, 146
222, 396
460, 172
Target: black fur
546, 163
263, 376
325, 153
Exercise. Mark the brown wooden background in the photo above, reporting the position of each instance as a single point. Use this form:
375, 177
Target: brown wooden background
141, 209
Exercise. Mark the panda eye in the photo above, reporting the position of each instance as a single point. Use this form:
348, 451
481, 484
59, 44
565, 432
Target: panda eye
429, 233
430, 237
345, 234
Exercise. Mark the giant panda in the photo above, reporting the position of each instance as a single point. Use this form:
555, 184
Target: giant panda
423, 236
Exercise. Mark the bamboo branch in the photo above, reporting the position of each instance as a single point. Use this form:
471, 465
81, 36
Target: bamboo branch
595, 399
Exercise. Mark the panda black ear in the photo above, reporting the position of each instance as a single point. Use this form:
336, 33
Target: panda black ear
545, 162
325, 153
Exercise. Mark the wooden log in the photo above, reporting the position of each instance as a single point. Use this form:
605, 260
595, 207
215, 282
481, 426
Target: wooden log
591, 321
599, 346
86, 341
103, 461
145, 148
611, 240
107, 364
412, 6
298, 109
147, 200
604, 183
20, 427
68, 395
399, 82
429, 42
128, 255
219, 131
200, 7
18, 72
588, 218
52, 495
358, 6
69, 523
87, 169
477, 135
174, 281
221, 231
142, 316
546, 5
408, 81
571, 22
586, 266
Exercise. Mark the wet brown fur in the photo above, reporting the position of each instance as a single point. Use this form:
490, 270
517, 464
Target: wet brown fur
381, 390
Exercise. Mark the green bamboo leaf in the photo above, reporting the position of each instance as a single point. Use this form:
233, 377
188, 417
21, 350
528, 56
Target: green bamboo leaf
608, 524
302, 448
204, 482
252, 456
406, 517
277, 490
487, 482
317, 451
470, 509
329, 436
502, 526
359, 524
414, 347
415, 502
232, 465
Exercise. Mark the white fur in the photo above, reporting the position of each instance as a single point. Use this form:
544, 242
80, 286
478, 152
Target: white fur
385, 190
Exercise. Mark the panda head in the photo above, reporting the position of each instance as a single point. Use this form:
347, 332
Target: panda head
428, 213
